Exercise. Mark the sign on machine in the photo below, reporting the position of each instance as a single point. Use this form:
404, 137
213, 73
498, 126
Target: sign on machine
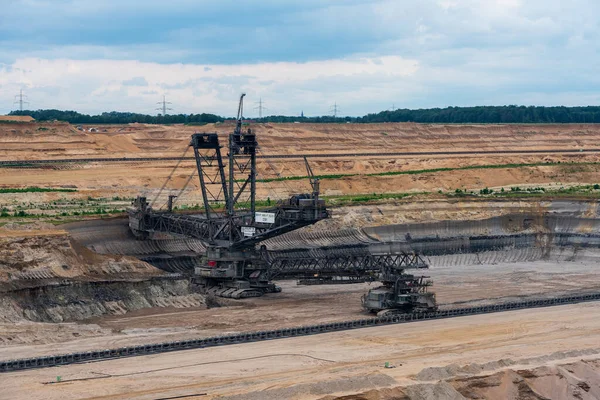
248, 231
264, 217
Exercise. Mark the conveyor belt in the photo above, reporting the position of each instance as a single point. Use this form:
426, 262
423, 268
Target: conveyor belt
248, 337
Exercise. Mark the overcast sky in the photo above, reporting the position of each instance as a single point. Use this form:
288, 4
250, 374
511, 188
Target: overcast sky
298, 55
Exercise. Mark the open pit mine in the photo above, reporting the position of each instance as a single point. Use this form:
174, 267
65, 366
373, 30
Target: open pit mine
131, 270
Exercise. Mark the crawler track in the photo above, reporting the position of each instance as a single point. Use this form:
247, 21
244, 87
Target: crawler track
37, 163
248, 337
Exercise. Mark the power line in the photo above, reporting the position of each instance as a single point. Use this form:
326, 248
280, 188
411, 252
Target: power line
260, 107
19, 100
335, 110
164, 107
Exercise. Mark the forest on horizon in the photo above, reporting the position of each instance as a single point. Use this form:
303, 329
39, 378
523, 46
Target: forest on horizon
479, 114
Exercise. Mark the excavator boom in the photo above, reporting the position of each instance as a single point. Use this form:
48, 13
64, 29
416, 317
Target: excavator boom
230, 226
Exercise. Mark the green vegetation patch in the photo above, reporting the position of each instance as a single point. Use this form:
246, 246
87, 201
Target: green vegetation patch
299, 178
357, 199
578, 191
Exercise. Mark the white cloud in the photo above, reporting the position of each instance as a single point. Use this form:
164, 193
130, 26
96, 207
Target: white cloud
102, 85
364, 55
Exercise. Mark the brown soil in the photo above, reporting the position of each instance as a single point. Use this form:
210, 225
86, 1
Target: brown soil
575, 380
37, 258
46, 140
306, 305
467, 352
61, 140
346, 363
18, 118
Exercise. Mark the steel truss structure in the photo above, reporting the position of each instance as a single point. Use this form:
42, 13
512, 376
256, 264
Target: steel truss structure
350, 262
230, 226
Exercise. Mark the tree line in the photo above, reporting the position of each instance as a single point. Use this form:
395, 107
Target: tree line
480, 114
114, 117
490, 115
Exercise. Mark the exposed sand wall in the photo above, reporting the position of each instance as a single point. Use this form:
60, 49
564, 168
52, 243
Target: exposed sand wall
17, 118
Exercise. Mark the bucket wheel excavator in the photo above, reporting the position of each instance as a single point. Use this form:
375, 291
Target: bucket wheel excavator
230, 227
236, 265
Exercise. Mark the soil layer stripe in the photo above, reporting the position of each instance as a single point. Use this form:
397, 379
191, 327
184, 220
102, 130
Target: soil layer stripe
28, 163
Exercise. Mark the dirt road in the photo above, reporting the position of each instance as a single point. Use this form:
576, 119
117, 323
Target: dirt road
311, 367
296, 305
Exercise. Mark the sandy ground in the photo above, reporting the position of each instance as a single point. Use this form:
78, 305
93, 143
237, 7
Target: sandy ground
27, 256
296, 305
47, 140
311, 367
21, 118
60, 140
129, 180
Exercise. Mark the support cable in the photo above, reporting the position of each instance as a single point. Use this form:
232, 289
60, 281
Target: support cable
178, 195
170, 175
187, 182
277, 174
